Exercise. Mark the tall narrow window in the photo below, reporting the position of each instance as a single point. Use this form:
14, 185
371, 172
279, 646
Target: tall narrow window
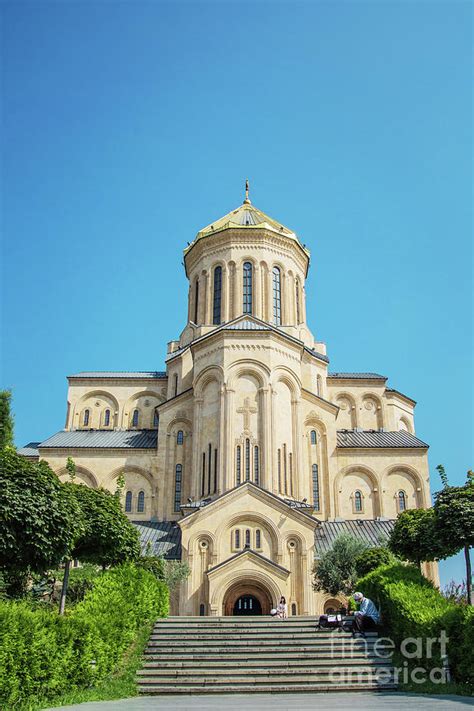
314, 438
297, 299
237, 538
276, 296
156, 418
128, 502
209, 468
247, 538
315, 473
135, 418
215, 471
106, 418
179, 437
175, 384
402, 501
247, 300
239, 464
247, 460
293, 608
141, 502
177, 486
196, 301
358, 502
203, 476
279, 470
86, 418
217, 295
258, 538
256, 466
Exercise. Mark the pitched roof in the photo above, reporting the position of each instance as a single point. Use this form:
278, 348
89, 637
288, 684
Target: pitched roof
29, 450
357, 376
378, 439
370, 531
118, 374
102, 439
161, 538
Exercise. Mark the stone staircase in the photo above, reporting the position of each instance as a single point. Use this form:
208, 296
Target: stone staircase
204, 655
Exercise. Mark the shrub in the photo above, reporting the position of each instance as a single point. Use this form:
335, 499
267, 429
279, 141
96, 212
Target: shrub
412, 607
373, 558
43, 655
335, 571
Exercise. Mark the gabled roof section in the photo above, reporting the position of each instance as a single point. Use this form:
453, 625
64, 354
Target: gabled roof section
246, 216
160, 538
118, 374
372, 531
102, 439
357, 376
378, 439
250, 553
29, 450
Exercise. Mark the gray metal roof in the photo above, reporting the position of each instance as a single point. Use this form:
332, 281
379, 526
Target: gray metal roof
162, 538
321, 356
247, 325
378, 439
29, 450
372, 531
103, 439
397, 392
357, 376
114, 374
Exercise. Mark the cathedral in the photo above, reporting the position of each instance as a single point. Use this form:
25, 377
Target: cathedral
247, 455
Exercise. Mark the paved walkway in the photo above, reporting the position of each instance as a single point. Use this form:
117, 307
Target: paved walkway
342, 701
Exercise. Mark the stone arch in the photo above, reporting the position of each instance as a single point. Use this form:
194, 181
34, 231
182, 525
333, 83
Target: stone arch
249, 367
332, 603
347, 415
371, 413
405, 424
283, 374
369, 486
203, 534
136, 480
137, 402
406, 478
210, 374
259, 519
247, 587
248, 578
95, 412
87, 477
180, 423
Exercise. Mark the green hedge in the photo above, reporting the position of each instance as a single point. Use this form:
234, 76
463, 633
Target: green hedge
412, 607
43, 655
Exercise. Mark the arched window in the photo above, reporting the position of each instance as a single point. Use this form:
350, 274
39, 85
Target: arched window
315, 474
177, 486
256, 467
357, 502
156, 418
402, 501
237, 538
128, 502
179, 437
293, 608
247, 538
202, 609
239, 464
106, 418
276, 296
175, 384
141, 502
217, 295
247, 460
258, 538
297, 299
314, 438
85, 420
196, 301
135, 418
247, 300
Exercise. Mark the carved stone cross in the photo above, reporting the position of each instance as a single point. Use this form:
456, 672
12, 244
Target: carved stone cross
247, 410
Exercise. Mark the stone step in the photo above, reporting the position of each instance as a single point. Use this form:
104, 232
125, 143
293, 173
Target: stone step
202, 671
247, 688
151, 657
335, 638
183, 643
259, 662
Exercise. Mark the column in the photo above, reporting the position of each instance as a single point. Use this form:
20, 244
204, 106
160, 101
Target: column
265, 444
273, 479
269, 297
208, 293
225, 311
256, 296
220, 453
237, 291
196, 449
228, 473
297, 447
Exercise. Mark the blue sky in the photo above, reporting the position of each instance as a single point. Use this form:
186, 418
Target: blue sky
129, 126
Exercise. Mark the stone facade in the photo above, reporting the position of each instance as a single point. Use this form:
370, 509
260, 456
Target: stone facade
256, 442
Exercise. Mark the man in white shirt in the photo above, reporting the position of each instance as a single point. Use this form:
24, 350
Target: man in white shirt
367, 616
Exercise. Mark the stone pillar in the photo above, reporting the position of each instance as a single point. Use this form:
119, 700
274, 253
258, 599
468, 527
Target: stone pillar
228, 478
196, 448
273, 445
265, 444
297, 449
225, 310
237, 293
269, 297
220, 454
256, 295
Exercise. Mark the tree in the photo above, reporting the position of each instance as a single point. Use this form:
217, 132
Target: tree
40, 519
335, 572
373, 558
415, 538
6, 419
108, 537
454, 508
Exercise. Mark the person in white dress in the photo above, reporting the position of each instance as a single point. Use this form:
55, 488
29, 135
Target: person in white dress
282, 609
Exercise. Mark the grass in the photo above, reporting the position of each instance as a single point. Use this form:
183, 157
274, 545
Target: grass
120, 685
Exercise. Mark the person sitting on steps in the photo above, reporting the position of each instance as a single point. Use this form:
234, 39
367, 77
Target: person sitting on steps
282, 609
367, 616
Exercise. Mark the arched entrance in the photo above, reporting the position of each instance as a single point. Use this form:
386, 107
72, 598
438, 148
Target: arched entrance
247, 598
